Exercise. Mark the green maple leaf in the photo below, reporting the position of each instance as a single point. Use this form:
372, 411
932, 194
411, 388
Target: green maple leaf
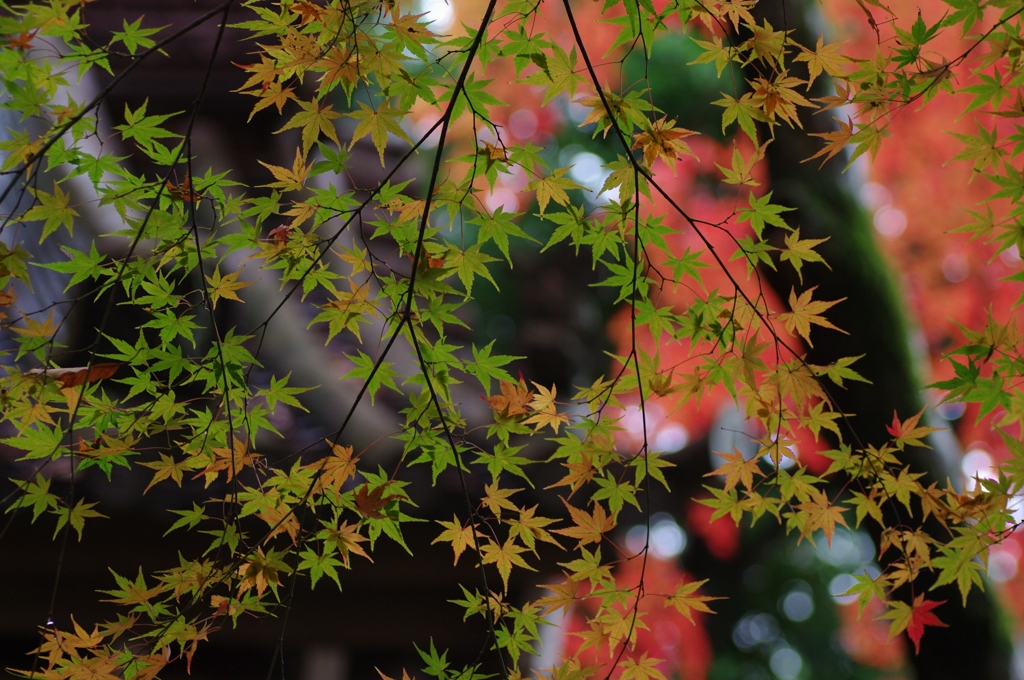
315, 120
798, 251
505, 557
553, 188
743, 111
378, 123
76, 516
35, 495
54, 208
470, 263
761, 212
134, 36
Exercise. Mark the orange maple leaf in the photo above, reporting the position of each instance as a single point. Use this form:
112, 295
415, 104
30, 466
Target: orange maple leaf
663, 140
335, 469
513, 398
737, 469
589, 527
369, 503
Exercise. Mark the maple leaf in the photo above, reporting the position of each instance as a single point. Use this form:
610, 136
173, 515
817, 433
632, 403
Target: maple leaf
225, 287
289, 180
340, 67
378, 124
132, 592
313, 120
553, 187
837, 141
579, 474
590, 528
166, 468
53, 208
643, 669
370, 503
36, 329
75, 376
505, 557
663, 140
346, 538
513, 398
821, 515
685, 599
263, 73
908, 433
269, 95
779, 97
232, 461
798, 251
335, 469
825, 58
75, 516
307, 11
563, 597
912, 618
545, 411
530, 529
459, 536
737, 469
495, 499
805, 312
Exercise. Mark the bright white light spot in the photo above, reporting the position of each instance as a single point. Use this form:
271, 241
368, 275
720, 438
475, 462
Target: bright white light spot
671, 437
523, 123
955, 267
667, 539
439, 13
789, 461
1016, 507
755, 629
577, 112
636, 538
634, 421
504, 199
890, 222
797, 604
1011, 257
874, 196
417, 129
587, 170
842, 584
848, 549
1003, 561
976, 463
786, 663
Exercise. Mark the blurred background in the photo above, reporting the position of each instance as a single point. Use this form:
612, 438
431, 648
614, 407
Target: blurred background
908, 283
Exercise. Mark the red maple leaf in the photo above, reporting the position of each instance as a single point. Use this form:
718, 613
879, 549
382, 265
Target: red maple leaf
920, 616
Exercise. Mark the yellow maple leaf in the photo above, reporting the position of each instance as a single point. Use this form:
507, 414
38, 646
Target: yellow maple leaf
553, 188
685, 599
288, 180
805, 311
225, 286
460, 537
505, 557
